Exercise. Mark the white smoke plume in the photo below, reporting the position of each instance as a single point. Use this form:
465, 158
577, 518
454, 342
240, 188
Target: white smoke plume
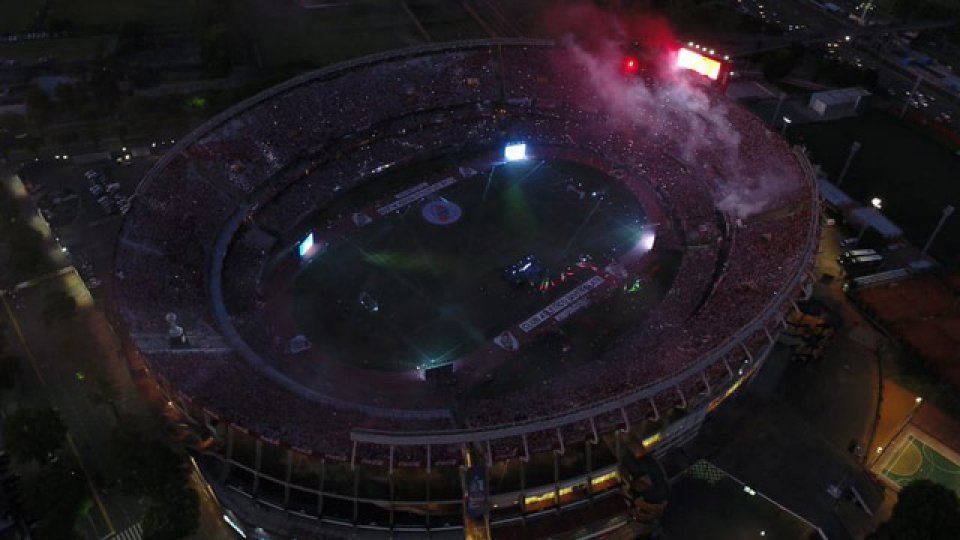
678, 111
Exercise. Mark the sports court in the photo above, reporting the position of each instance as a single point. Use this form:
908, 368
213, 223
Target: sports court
916, 456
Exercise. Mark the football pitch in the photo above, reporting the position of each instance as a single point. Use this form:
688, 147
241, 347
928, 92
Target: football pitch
409, 290
916, 457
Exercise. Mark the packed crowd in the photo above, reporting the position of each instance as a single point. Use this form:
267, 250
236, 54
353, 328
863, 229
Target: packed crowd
286, 156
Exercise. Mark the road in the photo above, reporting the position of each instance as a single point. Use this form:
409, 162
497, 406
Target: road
57, 354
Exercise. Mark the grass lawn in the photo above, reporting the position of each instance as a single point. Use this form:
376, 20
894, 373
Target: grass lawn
18, 15
446, 21
913, 174
286, 34
63, 49
97, 12
439, 287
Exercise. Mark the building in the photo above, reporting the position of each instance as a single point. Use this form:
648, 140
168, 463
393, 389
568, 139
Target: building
833, 104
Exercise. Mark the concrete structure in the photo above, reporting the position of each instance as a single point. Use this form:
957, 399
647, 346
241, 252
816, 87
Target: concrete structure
841, 103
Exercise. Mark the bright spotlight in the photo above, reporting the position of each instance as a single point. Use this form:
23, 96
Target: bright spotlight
877, 203
647, 239
515, 152
306, 246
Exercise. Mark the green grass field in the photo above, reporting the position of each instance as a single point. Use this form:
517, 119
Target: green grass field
439, 288
18, 15
110, 12
61, 49
282, 33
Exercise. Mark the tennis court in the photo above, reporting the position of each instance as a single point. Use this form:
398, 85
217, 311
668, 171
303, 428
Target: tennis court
915, 456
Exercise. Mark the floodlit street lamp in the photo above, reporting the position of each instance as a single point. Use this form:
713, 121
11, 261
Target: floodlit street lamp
912, 95
776, 112
843, 173
947, 212
786, 122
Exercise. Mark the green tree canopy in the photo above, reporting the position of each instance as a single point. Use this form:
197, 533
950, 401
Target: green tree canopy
34, 434
174, 517
57, 305
9, 372
155, 470
924, 511
57, 498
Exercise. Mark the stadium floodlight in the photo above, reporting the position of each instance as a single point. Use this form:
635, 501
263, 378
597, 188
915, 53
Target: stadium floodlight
515, 152
647, 239
306, 246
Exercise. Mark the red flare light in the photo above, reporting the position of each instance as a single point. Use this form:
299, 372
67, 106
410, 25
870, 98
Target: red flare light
630, 65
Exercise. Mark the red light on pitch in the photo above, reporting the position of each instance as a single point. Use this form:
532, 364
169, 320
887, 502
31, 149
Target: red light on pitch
631, 64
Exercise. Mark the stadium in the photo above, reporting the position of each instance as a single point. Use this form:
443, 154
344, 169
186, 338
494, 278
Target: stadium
365, 284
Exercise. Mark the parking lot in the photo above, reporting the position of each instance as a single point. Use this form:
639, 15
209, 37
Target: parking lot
84, 205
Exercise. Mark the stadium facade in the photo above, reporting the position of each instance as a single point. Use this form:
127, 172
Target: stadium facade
296, 460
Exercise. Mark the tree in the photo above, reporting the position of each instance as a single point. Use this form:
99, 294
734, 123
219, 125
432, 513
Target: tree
149, 468
924, 511
38, 104
174, 517
778, 64
155, 470
58, 304
106, 393
9, 372
58, 498
34, 434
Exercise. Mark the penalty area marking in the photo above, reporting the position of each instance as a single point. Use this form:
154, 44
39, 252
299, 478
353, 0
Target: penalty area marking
908, 460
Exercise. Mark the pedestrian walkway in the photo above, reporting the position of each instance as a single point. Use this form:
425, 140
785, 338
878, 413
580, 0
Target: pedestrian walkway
134, 532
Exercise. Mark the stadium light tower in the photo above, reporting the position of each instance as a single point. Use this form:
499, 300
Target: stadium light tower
786, 122
776, 112
912, 96
947, 212
843, 173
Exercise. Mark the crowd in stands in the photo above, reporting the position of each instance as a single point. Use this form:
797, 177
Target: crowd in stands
286, 156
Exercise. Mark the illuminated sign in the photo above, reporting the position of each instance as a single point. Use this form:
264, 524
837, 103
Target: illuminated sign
699, 63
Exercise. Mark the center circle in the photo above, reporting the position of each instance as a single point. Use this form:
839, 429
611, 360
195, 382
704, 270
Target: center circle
442, 212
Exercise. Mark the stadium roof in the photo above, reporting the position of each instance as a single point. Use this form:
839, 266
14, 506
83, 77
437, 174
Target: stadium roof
834, 196
865, 216
839, 96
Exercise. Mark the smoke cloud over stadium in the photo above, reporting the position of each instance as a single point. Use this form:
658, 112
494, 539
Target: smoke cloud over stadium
676, 110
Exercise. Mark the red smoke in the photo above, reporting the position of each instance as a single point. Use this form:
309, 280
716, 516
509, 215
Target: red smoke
593, 28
